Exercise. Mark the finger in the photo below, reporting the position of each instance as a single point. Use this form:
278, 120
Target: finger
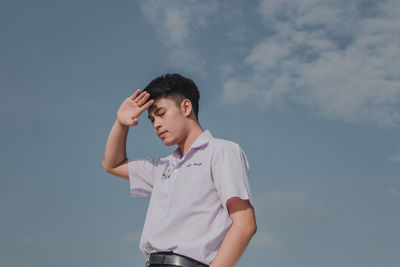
144, 107
135, 94
147, 105
143, 100
140, 97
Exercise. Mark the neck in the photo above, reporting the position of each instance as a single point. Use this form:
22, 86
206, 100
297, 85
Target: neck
194, 132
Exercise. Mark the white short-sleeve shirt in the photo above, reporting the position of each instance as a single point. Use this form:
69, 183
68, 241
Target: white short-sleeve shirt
187, 212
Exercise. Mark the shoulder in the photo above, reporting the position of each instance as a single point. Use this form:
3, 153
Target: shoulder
155, 160
227, 156
222, 143
218, 145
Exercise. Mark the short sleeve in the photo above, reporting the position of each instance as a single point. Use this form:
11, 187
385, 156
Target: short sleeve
230, 171
142, 173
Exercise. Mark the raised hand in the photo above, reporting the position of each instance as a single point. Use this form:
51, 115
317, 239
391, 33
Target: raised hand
130, 110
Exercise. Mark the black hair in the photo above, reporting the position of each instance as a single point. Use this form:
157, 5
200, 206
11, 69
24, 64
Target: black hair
177, 88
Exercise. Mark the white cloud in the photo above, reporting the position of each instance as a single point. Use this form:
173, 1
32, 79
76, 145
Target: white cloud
266, 54
177, 23
339, 58
262, 239
235, 90
226, 70
333, 57
291, 207
186, 59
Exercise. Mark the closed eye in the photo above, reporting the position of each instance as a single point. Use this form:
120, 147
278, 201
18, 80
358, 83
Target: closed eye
160, 112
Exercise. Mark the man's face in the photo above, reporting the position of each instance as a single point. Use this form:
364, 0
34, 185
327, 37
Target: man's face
168, 121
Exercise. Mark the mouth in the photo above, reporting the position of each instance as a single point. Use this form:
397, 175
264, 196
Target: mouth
162, 134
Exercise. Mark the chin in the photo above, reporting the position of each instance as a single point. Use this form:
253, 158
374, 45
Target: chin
168, 142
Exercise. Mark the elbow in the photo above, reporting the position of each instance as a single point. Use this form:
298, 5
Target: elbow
253, 229
249, 231
251, 223
252, 226
105, 167
242, 216
247, 228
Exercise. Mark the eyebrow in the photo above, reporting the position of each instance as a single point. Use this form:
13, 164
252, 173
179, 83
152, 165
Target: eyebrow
157, 109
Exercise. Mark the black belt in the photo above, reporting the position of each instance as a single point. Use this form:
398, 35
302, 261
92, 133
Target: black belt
170, 258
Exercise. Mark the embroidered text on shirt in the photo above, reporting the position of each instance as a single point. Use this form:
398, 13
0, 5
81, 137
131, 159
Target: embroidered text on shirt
194, 164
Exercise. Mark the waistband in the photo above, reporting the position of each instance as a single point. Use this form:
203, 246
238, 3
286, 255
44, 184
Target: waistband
170, 258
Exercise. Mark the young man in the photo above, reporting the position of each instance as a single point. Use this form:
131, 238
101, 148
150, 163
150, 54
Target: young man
199, 212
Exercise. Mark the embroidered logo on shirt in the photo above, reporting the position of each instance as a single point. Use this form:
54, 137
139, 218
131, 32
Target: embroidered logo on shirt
167, 174
194, 164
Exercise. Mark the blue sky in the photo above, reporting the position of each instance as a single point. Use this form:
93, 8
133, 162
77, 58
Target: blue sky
310, 89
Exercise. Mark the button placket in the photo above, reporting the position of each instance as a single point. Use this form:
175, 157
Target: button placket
168, 180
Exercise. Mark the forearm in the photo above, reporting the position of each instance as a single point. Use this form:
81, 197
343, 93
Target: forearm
233, 246
115, 151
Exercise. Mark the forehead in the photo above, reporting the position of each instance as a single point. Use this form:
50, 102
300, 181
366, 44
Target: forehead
159, 103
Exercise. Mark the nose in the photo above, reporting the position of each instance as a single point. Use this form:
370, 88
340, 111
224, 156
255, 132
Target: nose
156, 124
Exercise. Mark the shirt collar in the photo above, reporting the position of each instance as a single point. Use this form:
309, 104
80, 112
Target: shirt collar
200, 141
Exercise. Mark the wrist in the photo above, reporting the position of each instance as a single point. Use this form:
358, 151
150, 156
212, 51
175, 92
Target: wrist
119, 124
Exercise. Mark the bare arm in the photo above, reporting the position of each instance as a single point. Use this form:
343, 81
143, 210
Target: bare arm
115, 153
115, 160
239, 235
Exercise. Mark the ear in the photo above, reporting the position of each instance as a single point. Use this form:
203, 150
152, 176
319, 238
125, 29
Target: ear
186, 107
